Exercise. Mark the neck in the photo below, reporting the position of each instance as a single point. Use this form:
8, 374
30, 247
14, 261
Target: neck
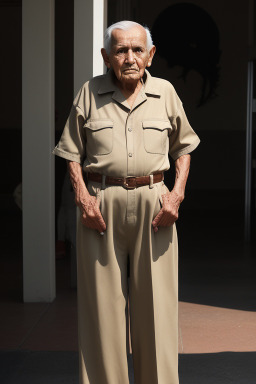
130, 87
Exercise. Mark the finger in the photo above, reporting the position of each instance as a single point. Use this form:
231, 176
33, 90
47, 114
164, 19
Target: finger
93, 218
99, 221
162, 219
87, 222
166, 220
100, 224
93, 223
157, 219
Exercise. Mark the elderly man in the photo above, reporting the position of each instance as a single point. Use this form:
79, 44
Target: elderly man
121, 127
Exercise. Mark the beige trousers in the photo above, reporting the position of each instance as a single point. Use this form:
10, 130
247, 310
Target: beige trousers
102, 290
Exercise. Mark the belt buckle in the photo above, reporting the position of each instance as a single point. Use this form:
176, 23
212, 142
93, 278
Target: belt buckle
129, 182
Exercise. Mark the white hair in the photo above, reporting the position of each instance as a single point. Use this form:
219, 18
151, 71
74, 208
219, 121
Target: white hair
124, 25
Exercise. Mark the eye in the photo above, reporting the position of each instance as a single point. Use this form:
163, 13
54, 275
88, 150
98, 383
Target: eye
138, 50
121, 51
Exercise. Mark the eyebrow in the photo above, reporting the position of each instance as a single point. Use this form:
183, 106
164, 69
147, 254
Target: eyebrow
125, 46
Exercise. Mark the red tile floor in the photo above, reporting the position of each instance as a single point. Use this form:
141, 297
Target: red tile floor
217, 309
53, 326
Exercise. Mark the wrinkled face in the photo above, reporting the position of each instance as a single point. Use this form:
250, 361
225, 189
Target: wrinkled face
129, 55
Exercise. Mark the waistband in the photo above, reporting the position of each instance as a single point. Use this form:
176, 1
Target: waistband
130, 182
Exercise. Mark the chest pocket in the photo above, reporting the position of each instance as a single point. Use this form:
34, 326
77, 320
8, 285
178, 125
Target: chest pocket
99, 136
155, 135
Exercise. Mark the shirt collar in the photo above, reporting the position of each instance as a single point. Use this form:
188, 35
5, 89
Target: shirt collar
149, 86
108, 85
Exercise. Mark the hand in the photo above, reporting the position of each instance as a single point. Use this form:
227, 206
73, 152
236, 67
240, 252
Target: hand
89, 207
169, 212
91, 215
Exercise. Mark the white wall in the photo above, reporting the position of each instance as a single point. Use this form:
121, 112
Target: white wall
37, 144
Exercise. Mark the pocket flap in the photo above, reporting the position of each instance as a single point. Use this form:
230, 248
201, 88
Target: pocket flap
96, 125
157, 124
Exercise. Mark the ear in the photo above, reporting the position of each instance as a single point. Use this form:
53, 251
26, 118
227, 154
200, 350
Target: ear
151, 55
105, 57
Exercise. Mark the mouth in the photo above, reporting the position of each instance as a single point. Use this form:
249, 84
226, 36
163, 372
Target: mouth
130, 70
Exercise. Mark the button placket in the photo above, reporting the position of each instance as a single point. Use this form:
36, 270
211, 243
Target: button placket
131, 201
130, 148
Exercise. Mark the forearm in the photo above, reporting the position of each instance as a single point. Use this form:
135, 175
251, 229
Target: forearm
171, 201
182, 165
77, 181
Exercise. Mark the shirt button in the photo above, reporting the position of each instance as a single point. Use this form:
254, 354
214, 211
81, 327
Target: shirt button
130, 154
129, 129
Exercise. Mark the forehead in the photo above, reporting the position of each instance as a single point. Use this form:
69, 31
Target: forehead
136, 35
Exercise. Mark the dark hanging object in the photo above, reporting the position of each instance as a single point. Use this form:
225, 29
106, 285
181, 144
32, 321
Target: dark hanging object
186, 35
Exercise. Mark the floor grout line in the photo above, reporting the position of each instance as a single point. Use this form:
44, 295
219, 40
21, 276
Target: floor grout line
34, 326
181, 340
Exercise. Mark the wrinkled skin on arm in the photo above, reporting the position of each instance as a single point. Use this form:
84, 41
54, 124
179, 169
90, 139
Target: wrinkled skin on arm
172, 200
91, 215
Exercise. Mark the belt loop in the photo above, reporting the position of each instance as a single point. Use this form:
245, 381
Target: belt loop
103, 182
151, 181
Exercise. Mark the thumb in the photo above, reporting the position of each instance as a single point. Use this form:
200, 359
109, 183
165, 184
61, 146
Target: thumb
157, 218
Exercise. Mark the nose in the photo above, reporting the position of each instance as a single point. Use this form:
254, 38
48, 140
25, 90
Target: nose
130, 57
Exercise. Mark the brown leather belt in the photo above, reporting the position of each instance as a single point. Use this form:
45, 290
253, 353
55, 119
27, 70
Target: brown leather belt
130, 182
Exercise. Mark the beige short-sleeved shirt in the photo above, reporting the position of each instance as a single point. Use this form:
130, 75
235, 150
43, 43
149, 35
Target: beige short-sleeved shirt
105, 135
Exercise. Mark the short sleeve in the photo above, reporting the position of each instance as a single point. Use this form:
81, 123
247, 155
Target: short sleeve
183, 139
73, 139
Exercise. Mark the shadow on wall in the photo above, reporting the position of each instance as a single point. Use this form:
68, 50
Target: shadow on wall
216, 267
193, 43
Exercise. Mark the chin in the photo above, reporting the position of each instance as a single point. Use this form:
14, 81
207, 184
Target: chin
131, 77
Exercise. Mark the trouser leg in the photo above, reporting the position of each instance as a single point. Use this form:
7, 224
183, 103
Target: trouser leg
153, 295
102, 297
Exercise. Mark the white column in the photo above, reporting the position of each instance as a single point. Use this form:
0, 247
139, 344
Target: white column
37, 144
90, 21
